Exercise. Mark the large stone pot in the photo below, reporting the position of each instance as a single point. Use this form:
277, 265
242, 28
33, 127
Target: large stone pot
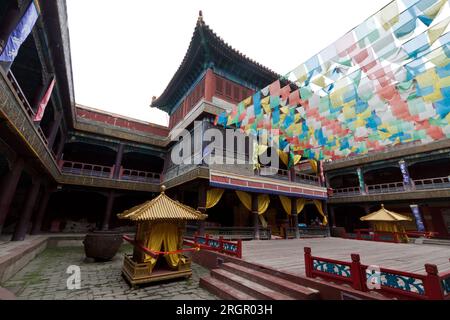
102, 245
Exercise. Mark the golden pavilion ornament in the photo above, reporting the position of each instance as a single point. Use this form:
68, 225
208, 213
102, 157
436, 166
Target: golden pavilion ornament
158, 244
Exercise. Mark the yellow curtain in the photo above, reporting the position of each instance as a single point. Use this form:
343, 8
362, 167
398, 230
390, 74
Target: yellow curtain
286, 202
313, 164
263, 204
318, 204
164, 236
213, 196
390, 227
245, 198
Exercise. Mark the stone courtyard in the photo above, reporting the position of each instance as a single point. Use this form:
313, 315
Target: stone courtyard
45, 278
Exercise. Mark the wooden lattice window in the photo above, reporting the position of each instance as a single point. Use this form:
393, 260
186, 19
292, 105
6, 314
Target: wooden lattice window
219, 85
228, 89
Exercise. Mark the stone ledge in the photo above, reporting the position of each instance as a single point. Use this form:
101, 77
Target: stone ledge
19, 255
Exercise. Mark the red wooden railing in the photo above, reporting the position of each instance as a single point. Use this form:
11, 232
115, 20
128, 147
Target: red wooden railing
386, 187
199, 243
432, 183
419, 184
86, 169
306, 178
137, 175
395, 283
24, 101
233, 248
384, 236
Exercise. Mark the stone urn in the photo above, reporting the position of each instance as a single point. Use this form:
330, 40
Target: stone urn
102, 245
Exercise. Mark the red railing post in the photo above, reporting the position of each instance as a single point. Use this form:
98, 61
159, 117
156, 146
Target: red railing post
207, 240
239, 251
433, 286
195, 237
355, 268
308, 262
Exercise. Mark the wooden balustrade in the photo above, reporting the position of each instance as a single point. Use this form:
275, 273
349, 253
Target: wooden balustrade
385, 236
220, 245
432, 183
306, 178
386, 187
244, 233
137, 175
419, 184
399, 284
20, 94
86, 169
24, 102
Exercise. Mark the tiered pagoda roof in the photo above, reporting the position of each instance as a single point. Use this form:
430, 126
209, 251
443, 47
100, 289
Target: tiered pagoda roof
206, 49
162, 208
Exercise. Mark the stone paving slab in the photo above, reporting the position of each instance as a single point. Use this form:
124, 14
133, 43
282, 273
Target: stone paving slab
45, 278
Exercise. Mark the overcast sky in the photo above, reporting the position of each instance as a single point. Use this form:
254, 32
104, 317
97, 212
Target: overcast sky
125, 52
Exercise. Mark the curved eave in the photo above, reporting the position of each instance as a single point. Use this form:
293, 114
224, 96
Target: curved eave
191, 59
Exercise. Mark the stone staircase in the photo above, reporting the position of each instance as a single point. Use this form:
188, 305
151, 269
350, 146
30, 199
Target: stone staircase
236, 282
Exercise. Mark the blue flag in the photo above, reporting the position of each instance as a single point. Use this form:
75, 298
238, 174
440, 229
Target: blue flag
20, 33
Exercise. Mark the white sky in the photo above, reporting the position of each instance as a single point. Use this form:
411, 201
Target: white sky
125, 52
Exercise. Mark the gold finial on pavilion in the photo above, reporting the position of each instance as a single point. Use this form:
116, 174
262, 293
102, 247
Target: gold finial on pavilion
382, 205
163, 188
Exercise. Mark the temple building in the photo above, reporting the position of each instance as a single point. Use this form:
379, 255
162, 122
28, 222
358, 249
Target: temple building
78, 166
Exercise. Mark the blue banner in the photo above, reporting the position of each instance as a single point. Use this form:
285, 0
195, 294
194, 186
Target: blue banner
418, 217
20, 33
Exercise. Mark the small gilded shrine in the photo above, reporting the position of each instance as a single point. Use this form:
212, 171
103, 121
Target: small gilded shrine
158, 244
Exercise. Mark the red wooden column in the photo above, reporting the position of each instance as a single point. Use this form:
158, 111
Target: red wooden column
54, 130
61, 144
25, 217
202, 189
210, 85
255, 215
108, 210
118, 161
8, 189
37, 224
295, 216
331, 214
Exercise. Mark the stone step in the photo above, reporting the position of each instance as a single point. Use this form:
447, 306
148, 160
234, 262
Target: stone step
248, 286
223, 290
440, 242
289, 288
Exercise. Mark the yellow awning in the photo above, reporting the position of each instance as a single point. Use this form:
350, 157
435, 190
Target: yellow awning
161, 208
385, 215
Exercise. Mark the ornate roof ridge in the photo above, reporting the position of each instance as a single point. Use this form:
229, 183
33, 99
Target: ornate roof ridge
161, 207
200, 27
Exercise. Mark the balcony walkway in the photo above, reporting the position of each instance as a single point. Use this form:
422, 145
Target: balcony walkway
287, 255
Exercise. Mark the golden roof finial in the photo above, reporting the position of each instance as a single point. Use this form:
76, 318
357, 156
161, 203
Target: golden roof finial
163, 188
200, 16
